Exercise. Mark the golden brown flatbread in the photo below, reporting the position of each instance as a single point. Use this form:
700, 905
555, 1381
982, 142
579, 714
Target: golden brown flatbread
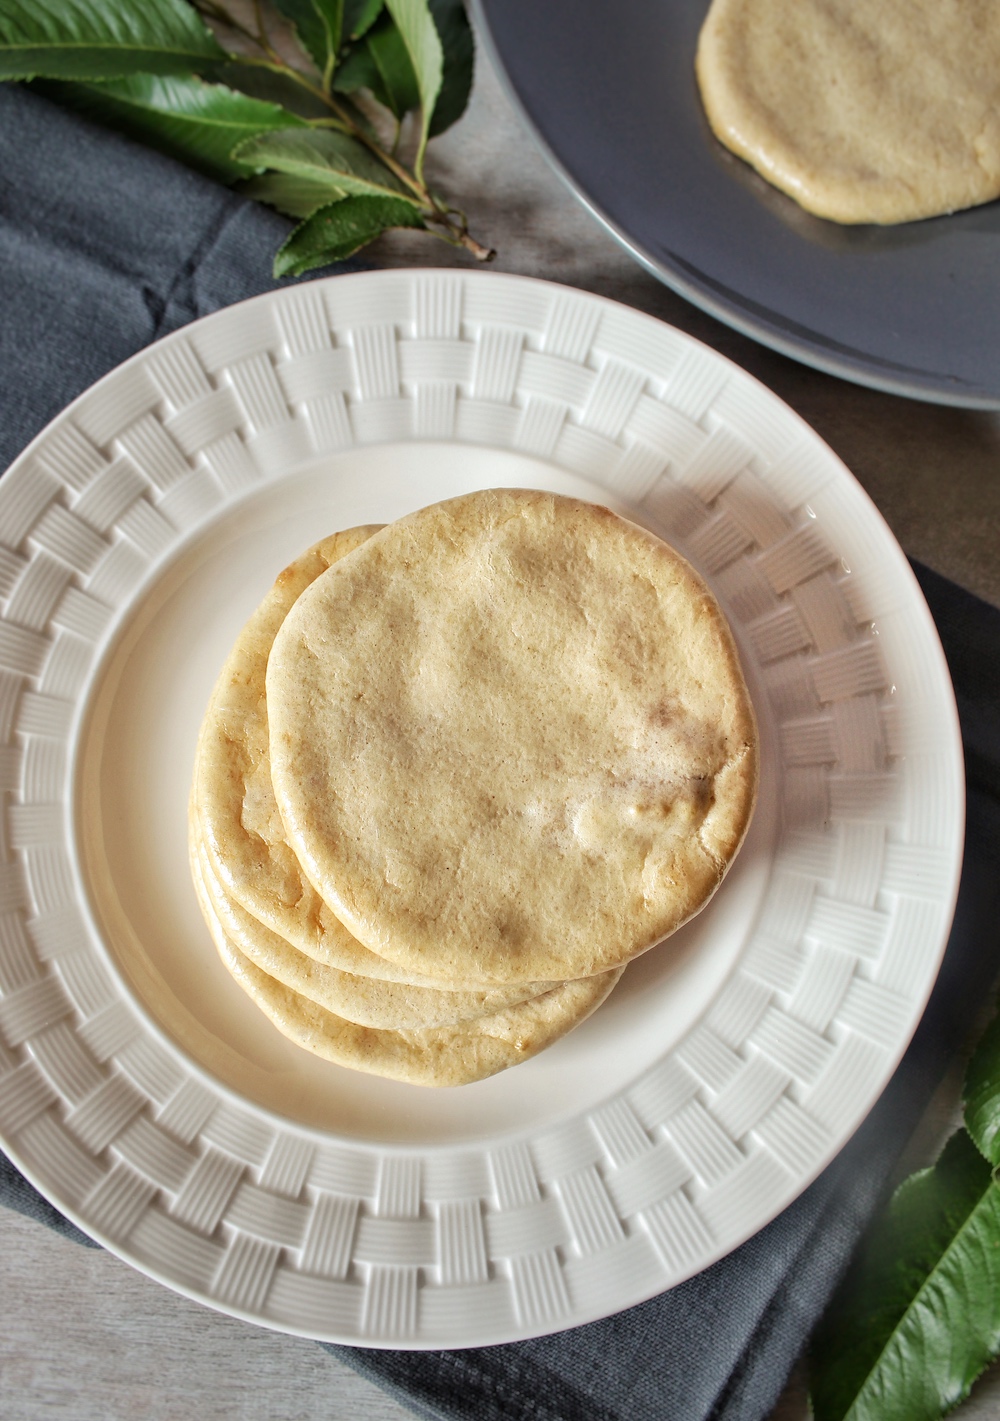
440, 1056
234, 818
510, 739
862, 110
367, 1001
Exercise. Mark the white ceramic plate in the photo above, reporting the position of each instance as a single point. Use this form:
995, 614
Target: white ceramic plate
146, 1096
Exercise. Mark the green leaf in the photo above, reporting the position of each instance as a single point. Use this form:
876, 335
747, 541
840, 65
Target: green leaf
317, 25
359, 16
918, 1316
290, 193
88, 39
323, 155
339, 230
197, 123
359, 71
982, 1094
455, 34
415, 24
383, 65
396, 84
261, 82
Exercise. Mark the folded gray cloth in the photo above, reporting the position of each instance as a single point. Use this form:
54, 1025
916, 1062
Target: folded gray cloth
105, 246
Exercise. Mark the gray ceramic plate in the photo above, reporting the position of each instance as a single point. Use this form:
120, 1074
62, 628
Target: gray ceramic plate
609, 87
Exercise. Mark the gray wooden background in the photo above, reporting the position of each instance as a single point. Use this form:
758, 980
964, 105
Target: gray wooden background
84, 1336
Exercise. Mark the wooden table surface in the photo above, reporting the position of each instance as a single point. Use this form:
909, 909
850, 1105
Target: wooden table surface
83, 1335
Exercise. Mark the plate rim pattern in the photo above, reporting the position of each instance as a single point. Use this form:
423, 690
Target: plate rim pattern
453, 1245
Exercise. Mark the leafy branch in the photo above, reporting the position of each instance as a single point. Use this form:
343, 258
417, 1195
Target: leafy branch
917, 1318
320, 139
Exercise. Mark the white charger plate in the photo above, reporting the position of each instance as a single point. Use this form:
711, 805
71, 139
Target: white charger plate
148, 1098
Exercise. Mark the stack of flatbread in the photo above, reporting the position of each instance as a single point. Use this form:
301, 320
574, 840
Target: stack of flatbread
458, 771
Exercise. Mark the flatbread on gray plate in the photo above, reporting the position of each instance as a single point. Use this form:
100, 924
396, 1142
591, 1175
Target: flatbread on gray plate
862, 110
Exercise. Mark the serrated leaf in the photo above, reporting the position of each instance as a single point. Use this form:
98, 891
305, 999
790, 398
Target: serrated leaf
88, 39
195, 122
317, 25
260, 82
321, 154
918, 1317
339, 230
359, 16
359, 71
396, 84
982, 1094
414, 21
383, 66
290, 193
458, 47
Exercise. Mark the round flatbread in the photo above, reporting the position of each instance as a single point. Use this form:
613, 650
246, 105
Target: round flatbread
440, 1056
367, 1001
510, 739
234, 818
862, 110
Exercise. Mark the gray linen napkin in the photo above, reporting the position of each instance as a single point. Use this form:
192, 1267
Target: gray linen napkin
104, 247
